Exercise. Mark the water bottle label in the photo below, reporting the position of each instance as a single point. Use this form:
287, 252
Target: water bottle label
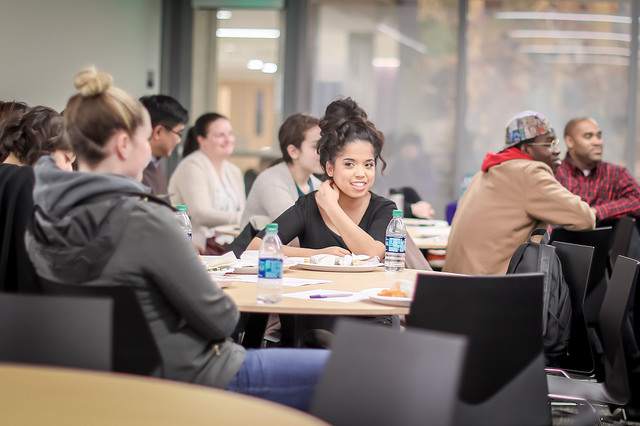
270, 268
396, 245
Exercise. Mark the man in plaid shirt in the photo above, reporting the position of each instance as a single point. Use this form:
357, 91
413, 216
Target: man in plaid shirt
610, 190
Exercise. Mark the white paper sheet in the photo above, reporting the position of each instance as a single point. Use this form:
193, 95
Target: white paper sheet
355, 297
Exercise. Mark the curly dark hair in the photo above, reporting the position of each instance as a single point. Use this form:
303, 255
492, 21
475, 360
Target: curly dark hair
343, 122
39, 132
10, 120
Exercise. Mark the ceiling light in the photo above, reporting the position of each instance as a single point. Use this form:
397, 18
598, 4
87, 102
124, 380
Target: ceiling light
579, 35
385, 62
247, 33
269, 68
255, 64
224, 14
554, 16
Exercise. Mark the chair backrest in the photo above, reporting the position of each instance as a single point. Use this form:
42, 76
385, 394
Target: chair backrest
380, 376
503, 380
59, 331
599, 239
134, 348
623, 232
614, 312
576, 265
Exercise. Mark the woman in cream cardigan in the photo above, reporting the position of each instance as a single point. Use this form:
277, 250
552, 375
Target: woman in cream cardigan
210, 186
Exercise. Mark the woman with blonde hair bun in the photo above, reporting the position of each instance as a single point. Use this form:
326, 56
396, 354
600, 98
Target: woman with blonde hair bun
100, 227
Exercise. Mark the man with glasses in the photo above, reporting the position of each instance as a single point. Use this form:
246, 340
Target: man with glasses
168, 120
513, 194
610, 190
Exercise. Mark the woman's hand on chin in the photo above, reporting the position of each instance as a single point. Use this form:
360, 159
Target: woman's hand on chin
327, 195
334, 250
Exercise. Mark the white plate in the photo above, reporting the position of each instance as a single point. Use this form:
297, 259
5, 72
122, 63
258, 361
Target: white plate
338, 268
411, 221
372, 293
427, 232
248, 268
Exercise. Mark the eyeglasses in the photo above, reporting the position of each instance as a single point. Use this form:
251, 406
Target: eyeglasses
551, 145
173, 131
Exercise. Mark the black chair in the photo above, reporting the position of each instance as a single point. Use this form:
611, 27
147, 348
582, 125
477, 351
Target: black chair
600, 240
615, 306
503, 379
59, 331
379, 376
134, 348
576, 264
624, 230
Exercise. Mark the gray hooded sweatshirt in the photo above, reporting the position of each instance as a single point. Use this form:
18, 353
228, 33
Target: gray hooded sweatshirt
101, 229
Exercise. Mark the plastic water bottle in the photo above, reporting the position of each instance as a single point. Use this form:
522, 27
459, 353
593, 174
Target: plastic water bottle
183, 220
270, 266
395, 243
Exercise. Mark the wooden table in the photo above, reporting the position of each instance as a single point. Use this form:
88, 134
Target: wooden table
32, 395
244, 294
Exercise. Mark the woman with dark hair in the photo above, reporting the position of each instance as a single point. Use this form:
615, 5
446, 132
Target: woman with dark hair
36, 133
25, 135
99, 226
210, 186
278, 187
343, 215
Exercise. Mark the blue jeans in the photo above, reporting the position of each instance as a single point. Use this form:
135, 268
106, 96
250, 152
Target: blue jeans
286, 376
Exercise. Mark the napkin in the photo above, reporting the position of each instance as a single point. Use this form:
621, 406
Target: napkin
224, 260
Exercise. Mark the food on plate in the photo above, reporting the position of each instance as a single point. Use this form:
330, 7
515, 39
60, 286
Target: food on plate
392, 292
400, 288
217, 268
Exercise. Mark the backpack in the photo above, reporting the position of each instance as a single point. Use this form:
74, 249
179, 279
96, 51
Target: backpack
556, 311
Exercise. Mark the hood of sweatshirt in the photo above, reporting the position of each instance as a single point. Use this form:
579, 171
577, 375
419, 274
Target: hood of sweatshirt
78, 220
492, 158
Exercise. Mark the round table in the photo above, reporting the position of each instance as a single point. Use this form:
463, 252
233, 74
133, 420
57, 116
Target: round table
31, 395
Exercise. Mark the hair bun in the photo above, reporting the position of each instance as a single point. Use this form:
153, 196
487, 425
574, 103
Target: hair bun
91, 82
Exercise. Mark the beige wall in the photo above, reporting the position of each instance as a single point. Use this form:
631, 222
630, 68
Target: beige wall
44, 43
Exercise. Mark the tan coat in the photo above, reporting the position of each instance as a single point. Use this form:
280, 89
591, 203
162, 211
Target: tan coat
499, 210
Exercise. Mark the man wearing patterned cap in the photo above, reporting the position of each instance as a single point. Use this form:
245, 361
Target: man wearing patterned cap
514, 193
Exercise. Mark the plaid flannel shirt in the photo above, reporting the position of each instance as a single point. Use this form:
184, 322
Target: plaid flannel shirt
610, 189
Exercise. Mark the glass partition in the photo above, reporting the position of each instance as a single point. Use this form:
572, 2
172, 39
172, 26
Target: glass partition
399, 63
563, 59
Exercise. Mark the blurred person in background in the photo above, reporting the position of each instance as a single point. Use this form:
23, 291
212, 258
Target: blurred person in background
209, 185
168, 119
25, 136
278, 187
411, 174
610, 190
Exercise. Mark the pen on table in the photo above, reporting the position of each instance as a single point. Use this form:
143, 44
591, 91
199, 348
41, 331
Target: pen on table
324, 296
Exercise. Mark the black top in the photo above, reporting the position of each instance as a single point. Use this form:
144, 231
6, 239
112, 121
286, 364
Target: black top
16, 205
303, 220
